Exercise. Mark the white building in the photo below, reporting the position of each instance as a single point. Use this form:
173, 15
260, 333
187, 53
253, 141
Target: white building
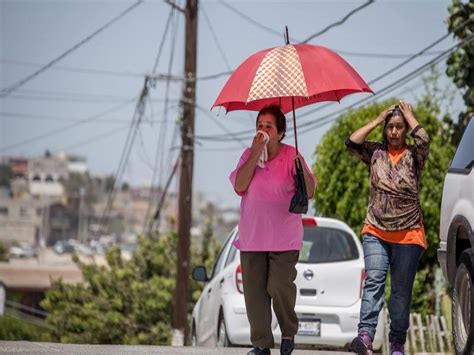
45, 175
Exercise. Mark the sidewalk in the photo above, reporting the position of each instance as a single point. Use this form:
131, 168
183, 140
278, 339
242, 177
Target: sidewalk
25, 347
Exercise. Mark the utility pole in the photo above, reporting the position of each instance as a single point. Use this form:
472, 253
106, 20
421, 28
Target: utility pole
180, 316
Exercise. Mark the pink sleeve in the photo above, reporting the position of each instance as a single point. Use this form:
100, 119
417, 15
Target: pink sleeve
233, 175
308, 170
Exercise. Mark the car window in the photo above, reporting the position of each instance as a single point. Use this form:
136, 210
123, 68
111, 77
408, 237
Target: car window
464, 157
232, 252
326, 245
222, 254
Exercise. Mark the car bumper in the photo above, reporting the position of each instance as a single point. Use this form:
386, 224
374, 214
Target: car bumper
338, 325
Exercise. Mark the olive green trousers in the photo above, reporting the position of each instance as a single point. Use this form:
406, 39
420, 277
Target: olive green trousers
269, 277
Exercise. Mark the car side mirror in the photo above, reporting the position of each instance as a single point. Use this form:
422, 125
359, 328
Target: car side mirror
200, 274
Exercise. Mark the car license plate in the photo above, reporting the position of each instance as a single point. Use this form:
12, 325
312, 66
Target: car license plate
309, 327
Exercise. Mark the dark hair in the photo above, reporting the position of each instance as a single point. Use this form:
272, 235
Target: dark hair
280, 119
396, 112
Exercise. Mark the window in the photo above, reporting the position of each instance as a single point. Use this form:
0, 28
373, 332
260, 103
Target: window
326, 245
232, 251
4, 211
23, 212
222, 254
49, 178
464, 158
36, 177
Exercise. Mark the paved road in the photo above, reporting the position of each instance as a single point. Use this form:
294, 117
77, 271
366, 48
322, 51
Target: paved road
25, 347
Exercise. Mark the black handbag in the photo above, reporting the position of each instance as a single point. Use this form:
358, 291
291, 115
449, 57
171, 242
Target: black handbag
299, 202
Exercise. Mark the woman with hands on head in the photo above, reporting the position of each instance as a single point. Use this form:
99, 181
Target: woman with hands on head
393, 232
270, 237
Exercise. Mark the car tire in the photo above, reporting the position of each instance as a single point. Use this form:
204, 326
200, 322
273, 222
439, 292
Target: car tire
222, 338
463, 304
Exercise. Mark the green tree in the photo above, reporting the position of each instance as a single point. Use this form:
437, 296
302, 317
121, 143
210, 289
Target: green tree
12, 328
460, 64
343, 181
124, 302
3, 253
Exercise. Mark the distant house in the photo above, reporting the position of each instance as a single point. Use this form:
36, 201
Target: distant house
75, 164
21, 220
19, 166
46, 175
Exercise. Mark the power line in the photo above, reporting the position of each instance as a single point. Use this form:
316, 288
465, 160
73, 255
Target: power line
35, 117
214, 37
156, 76
65, 128
49, 98
129, 142
93, 139
254, 22
160, 144
280, 34
384, 55
74, 69
162, 42
387, 89
222, 126
5, 92
338, 23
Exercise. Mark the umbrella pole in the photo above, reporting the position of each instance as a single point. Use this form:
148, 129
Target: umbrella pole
294, 123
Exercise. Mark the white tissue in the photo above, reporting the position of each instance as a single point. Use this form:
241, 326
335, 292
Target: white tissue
262, 159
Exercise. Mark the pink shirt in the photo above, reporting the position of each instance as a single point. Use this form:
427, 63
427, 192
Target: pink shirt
265, 223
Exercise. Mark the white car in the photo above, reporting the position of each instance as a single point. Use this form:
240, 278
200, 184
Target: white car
22, 250
329, 287
456, 248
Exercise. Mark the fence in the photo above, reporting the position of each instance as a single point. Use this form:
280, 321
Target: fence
427, 335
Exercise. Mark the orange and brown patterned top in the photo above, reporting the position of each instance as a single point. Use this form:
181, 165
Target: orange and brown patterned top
394, 202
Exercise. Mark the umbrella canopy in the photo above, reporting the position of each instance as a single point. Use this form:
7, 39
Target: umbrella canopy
301, 73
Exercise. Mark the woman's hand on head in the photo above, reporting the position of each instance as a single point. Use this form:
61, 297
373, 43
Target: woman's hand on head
384, 114
406, 109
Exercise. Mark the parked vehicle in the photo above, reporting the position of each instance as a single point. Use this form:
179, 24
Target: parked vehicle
456, 248
329, 286
22, 250
63, 246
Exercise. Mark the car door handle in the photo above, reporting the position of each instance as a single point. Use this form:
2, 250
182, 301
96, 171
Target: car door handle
209, 291
221, 282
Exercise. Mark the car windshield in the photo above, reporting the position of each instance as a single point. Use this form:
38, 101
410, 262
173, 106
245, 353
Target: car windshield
326, 245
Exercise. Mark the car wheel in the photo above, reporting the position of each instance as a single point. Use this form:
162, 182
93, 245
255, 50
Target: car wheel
463, 304
222, 338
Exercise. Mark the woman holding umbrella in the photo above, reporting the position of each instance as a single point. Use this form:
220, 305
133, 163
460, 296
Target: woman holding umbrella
270, 236
393, 234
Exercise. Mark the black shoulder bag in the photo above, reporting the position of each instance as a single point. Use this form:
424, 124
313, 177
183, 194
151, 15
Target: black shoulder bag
299, 202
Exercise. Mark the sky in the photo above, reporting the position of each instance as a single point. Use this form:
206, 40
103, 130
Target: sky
85, 102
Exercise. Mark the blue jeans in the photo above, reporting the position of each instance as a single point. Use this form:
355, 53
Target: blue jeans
403, 261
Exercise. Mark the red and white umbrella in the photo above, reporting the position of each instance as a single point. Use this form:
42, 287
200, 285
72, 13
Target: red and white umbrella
307, 73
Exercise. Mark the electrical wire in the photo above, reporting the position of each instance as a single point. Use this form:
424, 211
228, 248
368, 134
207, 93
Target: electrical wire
158, 163
65, 128
6, 91
338, 23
